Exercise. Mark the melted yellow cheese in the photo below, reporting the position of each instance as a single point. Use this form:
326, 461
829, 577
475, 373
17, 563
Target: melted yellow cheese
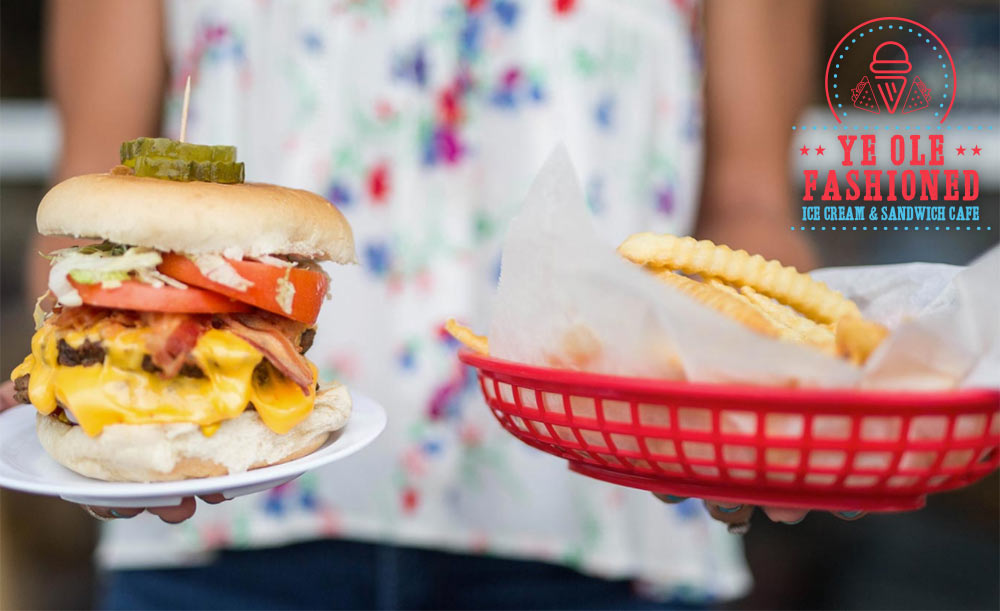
119, 391
209, 429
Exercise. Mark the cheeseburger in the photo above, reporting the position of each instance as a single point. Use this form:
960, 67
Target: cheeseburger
176, 347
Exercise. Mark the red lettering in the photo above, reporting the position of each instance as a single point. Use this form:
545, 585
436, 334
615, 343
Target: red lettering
950, 185
908, 191
868, 149
853, 191
897, 152
928, 184
916, 157
810, 177
832, 191
971, 180
891, 180
937, 149
846, 143
872, 185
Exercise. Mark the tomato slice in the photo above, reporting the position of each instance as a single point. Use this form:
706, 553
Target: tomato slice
135, 295
310, 286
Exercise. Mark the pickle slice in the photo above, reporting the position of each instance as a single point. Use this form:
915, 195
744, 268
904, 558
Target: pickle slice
173, 160
158, 167
228, 173
221, 172
173, 149
181, 170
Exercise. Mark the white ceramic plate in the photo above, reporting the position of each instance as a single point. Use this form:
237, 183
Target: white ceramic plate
25, 466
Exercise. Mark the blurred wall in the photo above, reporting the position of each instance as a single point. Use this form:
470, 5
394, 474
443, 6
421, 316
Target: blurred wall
45, 544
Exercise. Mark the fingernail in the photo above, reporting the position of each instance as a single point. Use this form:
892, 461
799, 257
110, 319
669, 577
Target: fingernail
796, 521
849, 514
729, 508
675, 499
114, 513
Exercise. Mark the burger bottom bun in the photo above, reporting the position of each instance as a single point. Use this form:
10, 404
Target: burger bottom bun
167, 452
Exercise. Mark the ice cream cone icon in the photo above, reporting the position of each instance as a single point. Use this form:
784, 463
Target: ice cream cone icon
890, 74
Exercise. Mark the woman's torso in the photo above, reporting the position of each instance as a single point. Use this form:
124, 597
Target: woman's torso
424, 122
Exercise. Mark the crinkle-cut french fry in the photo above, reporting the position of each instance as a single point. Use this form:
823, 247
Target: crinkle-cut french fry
800, 328
792, 326
478, 343
722, 286
857, 338
722, 302
811, 297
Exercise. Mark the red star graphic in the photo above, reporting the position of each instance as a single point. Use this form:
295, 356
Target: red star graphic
804, 150
960, 150
976, 150
820, 149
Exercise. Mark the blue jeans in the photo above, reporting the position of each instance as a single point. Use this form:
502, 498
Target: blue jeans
349, 575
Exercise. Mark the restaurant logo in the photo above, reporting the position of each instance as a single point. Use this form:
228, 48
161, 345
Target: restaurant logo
889, 162
890, 66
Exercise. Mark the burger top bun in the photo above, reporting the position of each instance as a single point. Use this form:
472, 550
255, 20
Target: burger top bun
197, 217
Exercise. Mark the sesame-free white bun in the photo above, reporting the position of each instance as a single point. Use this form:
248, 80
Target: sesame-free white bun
166, 452
197, 217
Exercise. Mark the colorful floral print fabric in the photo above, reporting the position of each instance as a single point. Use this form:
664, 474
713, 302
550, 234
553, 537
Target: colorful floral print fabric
424, 122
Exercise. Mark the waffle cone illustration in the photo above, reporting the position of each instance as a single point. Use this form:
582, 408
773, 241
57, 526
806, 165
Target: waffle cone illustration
890, 74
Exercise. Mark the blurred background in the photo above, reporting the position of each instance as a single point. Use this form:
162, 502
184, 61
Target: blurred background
946, 556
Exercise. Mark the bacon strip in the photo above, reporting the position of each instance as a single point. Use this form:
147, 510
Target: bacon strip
261, 333
77, 318
174, 336
266, 321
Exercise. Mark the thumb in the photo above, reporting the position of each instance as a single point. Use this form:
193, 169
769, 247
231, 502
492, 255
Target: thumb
7, 399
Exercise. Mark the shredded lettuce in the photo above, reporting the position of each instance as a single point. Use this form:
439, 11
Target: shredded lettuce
217, 269
155, 278
285, 294
105, 247
93, 276
39, 314
271, 260
107, 263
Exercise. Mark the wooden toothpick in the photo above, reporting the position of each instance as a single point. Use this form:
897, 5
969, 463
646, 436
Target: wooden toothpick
184, 112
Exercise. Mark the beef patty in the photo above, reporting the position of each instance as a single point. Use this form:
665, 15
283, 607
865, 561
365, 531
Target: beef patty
93, 353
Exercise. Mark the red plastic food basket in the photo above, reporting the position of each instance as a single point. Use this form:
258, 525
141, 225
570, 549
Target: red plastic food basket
808, 448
